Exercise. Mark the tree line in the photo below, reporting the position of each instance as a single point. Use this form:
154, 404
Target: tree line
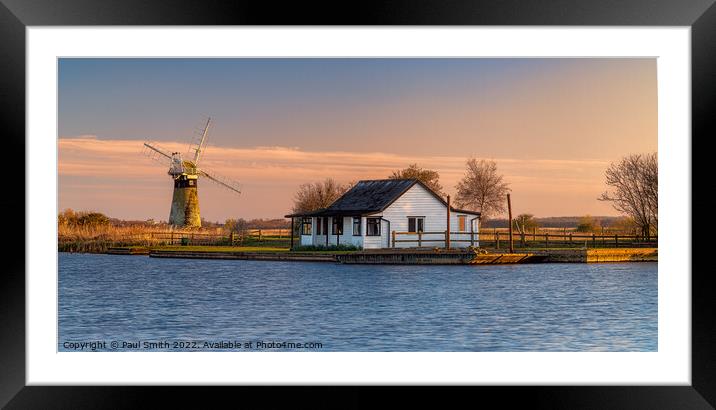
632, 189
481, 189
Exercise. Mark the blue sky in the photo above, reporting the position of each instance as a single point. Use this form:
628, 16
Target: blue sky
590, 110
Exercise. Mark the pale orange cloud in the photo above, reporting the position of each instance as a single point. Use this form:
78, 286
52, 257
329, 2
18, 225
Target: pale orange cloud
114, 176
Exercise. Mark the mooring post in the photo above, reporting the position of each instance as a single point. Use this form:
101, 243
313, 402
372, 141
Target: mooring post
509, 214
292, 226
420, 239
447, 231
393, 235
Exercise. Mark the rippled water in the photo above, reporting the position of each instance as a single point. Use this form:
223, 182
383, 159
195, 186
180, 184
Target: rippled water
546, 307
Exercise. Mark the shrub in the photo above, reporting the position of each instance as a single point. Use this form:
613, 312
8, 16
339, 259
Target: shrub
587, 224
326, 248
92, 219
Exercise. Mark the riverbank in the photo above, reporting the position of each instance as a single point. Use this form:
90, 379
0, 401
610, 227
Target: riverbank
398, 256
526, 307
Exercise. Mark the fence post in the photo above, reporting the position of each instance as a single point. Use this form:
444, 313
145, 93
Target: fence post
393, 233
522, 234
570, 238
497, 240
472, 238
594, 240
259, 235
420, 239
546, 240
616, 240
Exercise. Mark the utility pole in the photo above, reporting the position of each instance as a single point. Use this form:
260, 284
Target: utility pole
509, 214
447, 231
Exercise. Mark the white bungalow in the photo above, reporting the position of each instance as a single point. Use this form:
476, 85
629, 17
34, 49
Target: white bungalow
389, 213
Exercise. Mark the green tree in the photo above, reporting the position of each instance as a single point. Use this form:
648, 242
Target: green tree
427, 176
92, 219
525, 223
236, 225
588, 223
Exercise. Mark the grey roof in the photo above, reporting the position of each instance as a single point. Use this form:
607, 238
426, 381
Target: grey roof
371, 196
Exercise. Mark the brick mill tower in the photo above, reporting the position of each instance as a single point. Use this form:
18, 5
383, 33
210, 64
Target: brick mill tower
185, 175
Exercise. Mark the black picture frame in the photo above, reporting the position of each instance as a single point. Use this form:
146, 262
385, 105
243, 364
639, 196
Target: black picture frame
16, 15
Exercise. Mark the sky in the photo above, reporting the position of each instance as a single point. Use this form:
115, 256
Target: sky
553, 126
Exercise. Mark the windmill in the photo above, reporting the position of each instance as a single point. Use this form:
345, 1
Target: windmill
185, 173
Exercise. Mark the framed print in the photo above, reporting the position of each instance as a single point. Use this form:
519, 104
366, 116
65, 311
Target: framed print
304, 236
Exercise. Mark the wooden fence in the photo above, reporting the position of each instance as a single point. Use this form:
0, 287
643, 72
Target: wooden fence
500, 240
250, 236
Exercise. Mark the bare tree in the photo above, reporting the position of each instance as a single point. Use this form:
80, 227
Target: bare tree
482, 188
317, 195
426, 176
634, 189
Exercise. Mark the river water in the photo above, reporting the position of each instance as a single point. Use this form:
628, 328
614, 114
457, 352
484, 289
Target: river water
137, 303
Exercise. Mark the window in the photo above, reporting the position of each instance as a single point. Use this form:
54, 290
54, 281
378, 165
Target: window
372, 226
322, 226
356, 226
305, 226
462, 226
416, 224
338, 226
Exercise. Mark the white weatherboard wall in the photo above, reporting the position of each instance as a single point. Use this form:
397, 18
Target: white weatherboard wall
346, 239
418, 201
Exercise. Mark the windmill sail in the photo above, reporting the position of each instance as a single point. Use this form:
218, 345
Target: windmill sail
158, 154
196, 148
225, 182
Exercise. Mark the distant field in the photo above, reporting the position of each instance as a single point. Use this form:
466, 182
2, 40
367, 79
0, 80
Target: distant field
569, 222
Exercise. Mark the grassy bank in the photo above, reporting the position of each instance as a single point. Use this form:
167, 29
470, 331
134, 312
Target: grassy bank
233, 249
